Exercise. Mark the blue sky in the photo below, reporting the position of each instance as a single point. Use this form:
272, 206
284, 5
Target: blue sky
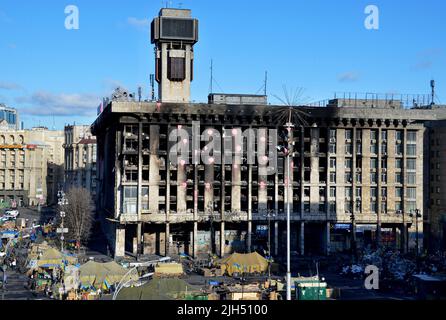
56, 76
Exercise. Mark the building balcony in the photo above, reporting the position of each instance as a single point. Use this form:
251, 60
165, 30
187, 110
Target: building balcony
128, 218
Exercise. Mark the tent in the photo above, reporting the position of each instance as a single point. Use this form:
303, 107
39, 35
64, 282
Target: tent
116, 272
244, 263
53, 258
103, 275
159, 289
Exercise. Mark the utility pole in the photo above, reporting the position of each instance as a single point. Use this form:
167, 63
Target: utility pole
353, 244
211, 224
62, 230
269, 215
62, 238
417, 253
288, 165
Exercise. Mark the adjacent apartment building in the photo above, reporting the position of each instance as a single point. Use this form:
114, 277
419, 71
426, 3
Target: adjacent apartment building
80, 158
359, 172
31, 166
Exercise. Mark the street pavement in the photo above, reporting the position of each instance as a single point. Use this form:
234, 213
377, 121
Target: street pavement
16, 288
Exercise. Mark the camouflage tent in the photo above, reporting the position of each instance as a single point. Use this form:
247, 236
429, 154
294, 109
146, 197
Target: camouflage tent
243, 263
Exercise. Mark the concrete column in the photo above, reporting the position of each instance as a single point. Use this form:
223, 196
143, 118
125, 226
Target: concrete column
168, 189
263, 178
181, 189
209, 186
302, 238
80, 165
249, 208
379, 200
167, 239
236, 170
366, 183
276, 238
120, 242
236, 188
88, 167
194, 239
154, 174
302, 172
138, 238
222, 239
340, 175
327, 239
391, 143
135, 246
314, 173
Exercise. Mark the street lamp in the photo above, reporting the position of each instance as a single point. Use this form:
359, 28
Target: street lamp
269, 215
288, 151
62, 202
210, 210
416, 215
353, 244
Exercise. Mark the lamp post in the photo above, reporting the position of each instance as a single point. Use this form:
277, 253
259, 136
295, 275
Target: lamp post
416, 215
270, 214
288, 150
353, 244
62, 230
210, 210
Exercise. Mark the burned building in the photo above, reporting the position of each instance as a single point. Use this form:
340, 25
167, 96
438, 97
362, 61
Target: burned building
358, 167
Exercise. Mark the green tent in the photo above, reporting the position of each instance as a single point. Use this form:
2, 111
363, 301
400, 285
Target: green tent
103, 275
159, 289
54, 258
243, 263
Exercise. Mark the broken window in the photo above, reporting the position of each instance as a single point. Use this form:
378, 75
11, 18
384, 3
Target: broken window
176, 69
129, 200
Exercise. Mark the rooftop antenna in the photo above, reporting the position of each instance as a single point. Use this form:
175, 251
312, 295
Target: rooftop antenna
266, 83
139, 93
212, 77
433, 92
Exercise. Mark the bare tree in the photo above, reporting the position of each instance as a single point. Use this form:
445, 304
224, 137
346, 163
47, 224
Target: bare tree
79, 214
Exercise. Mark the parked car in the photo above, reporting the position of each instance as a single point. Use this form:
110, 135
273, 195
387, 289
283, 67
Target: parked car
6, 218
13, 213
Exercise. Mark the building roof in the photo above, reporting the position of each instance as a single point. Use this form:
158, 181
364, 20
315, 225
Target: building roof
223, 111
88, 141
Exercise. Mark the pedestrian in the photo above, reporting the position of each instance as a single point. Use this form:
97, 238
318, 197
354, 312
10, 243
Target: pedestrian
5, 278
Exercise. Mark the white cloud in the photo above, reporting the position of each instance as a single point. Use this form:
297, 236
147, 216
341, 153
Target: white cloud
350, 76
4, 85
138, 23
4, 17
112, 84
43, 103
427, 58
